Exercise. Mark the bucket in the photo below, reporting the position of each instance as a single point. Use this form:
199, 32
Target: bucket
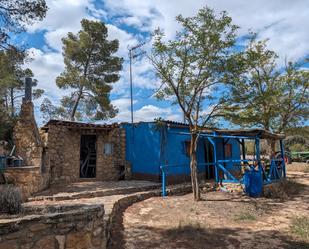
2, 162
18, 162
253, 181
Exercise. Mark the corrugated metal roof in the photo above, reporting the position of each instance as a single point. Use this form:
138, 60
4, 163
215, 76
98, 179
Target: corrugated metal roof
80, 125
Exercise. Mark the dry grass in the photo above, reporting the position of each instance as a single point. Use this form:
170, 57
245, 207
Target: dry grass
297, 167
283, 190
10, 199
300, 227
245, 217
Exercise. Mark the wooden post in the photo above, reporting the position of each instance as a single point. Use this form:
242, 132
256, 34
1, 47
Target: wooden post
243, 149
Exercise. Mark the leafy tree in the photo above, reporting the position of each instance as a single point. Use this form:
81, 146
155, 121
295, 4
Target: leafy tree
191, 67
260, 94
90, 68
12, 77
50, 111
16, 14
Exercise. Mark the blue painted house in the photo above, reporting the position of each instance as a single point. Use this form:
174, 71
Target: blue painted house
150, 145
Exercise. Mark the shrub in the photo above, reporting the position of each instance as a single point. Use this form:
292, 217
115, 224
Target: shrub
298, 147
10, 199
296, 143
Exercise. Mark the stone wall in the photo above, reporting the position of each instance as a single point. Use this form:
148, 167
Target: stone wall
29, 179
81, 228
27, 138
34, 176
63, 146
109, 166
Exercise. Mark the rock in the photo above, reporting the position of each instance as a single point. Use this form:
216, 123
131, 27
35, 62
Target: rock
60, 241
37, 227
47, 242
8, 245
78, 240
97, 232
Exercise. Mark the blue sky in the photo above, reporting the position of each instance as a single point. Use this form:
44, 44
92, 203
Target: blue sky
283, 22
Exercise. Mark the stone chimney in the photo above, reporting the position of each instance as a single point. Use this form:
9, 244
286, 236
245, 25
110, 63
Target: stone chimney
26, 134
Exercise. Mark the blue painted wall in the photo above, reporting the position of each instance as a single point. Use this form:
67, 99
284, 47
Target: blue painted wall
143, 148
149, 146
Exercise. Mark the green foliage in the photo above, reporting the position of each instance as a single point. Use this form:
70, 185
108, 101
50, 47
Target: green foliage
90, 68
301, 131
6, 126
264, 95
12, 76
298, 147
191, 66
16, 14
296, 143
50, 111
10, 199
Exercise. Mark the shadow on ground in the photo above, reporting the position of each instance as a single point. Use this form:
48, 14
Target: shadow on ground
195, 237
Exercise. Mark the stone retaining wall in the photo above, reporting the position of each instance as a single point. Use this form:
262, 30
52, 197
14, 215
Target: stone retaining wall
29, 179
77, 229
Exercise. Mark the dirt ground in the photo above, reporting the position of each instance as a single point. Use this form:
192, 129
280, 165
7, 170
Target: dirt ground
221, 220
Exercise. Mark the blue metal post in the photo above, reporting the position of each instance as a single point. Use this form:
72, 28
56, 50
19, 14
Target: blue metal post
283, 157
163, 182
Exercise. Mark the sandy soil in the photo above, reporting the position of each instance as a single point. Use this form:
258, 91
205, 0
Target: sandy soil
221, 220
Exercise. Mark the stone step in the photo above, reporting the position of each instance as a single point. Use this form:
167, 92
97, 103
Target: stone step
91, 194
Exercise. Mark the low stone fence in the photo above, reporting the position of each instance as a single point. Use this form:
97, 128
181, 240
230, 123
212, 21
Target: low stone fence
81, 228
29, 179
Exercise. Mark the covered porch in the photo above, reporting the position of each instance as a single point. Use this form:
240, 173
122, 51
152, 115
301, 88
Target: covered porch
231, 170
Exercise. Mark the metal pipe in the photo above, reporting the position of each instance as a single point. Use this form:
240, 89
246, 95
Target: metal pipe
163, 182
131, 84
28, 89
213, 135
283, 157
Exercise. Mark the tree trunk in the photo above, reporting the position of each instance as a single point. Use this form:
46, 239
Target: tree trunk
193, 167
6, 102
272, 148
12, 102
75, 106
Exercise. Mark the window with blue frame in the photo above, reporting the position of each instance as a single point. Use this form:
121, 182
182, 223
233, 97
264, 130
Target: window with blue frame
186, 147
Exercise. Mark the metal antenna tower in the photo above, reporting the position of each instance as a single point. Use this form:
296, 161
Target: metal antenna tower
132, 55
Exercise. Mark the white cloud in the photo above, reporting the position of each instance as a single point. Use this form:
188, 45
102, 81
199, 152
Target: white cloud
145, 113
46, 66
282, 21
125, 39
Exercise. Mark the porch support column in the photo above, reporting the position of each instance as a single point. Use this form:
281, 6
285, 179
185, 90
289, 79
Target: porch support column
215, 157
257, 151
243, 149
283, 157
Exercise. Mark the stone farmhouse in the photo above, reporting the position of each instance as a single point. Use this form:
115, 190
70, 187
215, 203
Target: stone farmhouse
64, 152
